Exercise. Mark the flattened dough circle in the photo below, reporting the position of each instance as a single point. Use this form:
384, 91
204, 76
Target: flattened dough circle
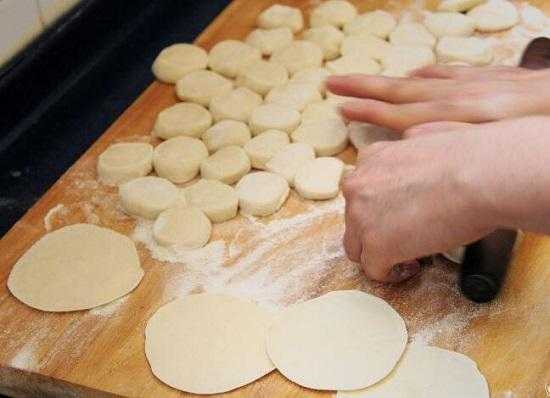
122, 162
147, 196
262, 193
177, 60
217, 200
185, 227
319, 179
178, 159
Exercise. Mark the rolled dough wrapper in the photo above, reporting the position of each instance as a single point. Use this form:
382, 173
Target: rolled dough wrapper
449, 24
327, 136
294, 95
147, 196
328, 38
182, 227
261, 76
356, 63
279, 15
178, 159
201, 86
379, 23
228, 165
472, 50
458, 5
494, 16
299, 55
333, 13
236, 105
262, 193
315, 76
319, 179
226, 133
263, 147
290, 159
177, 60
274, 116
412, 34
217, 200
229, 57
122, 162
270, 40
185, 119
365, 44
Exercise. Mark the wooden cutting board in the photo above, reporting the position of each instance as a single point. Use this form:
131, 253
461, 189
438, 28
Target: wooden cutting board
294, 255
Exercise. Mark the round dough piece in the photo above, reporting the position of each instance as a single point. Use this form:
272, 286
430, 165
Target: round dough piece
186, 119
327, 109
228, 57
217, 200
236, 105
228, 165
261, 76
449, 24
328, 38
274, 116
178, 159
122, 162
147, 196
289, 159
333, 13
299, 55
364, 134
294, 95
263, 147
177, 60
319, 179
183, 227
316, 76
270, 40
343, 340
226, 133
494, 16
412, 34
472, 50
458, 5
354, 63
262, 193
74, 268
279, 15
327, 136
426, 371
365, 44
400, 60
201, 86
379, 23
192, 343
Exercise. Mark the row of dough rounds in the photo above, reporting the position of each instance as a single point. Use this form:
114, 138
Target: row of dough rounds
344, 340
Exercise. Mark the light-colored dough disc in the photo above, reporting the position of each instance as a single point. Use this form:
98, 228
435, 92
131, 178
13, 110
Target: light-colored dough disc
74, 268
185, 119
333, 12
236, 105
449, 24
412, 34
316, 111
178, 159
400, 60
201, 86
122, 162
328, 38
183, 227
379, 23
208, 344
279, 15
316, 76
344, 340
472, 50
364, 134
269, 40
299, 55
458, 5
319, 179
263, 147
294, 95
228, 165
353, 63
217, 200
147, 196
327, 136
262, 193
426, 371
226, 133
289, 159
274, 116
261, 76
494, 16
228, 57
176, 61
365, 44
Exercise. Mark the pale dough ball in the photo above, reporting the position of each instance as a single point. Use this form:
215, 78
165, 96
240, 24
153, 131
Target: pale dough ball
183, 227
279, 15
316, 76
412, 34
472, 50
332, 12
122, 162
236, 105
319, 179
299, 55
178, 159
400, 60
458, 5
449, 24
262, 193
228, 57
294, 95
364, 134
176, 61
226, 133
353, 63
228, 165
494, 16
379, 23
365, 44
274, 116
147, 196
261, 76
327, 109
201, 86
289, 159
263, 147
217, 200
270, 40
328, 38
327, 136
185, 119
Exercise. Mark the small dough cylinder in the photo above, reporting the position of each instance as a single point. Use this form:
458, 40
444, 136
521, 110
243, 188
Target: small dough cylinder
236, 105
299, 55
185, 119
279, 15
201, 86
319, 179
261, 76
274, 117
327, 136
226, 133
177, 60
228, 165
262, 193
228, 57
147, 196
125, 161
217, 200
289, 159
185, 227
178, 159
263, 147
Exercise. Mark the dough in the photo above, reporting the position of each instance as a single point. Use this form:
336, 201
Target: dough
353, 63
449, 24
182, 119
122, 162
261, 76
473, 50
294, 95
183, 227
328, 38
333, 13
319, 179
365, 44
227, 165
279, 15
147, 196
344, 340
178, 159
299, 55
228, 57
201, 86
217, 200
327, 136
176, 61
289, 159
364, 134
226, 133
270, 40
316, 76
379, 23
327, 109
262, 193
426, 371
274, 116
458, 5
400, 60
412, 34
236, 105
494, 16
208, 344
74, 268
263, 147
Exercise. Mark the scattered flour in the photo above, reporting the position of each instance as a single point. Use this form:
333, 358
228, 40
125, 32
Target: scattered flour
108, 309
59, 208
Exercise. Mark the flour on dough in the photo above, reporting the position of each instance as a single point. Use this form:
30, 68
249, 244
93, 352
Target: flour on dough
261, 193
147, 196
319, 179
201, 86
184, 119
182, 227
279, 15
217, 200
177, 60
178, 159
263, 147
122, 162
226, 133
227, 165
290, 159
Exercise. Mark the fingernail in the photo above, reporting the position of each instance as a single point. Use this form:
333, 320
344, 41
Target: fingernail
403, 271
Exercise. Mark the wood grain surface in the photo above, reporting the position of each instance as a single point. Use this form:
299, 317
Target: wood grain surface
100, 352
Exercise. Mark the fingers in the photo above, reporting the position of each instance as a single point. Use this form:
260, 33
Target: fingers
434, 128
469, 73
